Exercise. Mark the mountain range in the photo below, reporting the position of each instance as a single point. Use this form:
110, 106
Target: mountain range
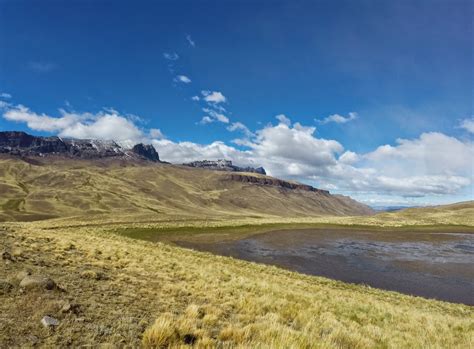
47, 177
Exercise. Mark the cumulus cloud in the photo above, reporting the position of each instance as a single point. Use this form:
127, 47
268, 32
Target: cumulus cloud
432, 153
5, 95
349, 157
283, 150
179, 152
182, 78
339, 119
411, 168
195, 98
42, 122
171, 56
213, 97
468, 124
431, 164
107, 124
296, 145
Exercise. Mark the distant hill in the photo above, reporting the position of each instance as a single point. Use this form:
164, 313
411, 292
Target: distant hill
390, 208
461, 213
34, 188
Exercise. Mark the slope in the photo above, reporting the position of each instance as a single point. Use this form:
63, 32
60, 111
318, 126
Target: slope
47, 188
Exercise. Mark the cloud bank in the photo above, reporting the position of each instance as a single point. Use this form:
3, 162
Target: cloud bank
431, 164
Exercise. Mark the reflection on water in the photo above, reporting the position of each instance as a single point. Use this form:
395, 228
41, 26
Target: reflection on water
435, 265
447, 252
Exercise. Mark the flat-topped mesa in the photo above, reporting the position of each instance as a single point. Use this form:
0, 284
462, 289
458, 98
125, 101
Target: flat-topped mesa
22, 144
224, 165
275, 182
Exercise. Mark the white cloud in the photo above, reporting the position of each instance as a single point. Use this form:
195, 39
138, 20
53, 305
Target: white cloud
195, 98
213, 97
433, 164
283, 119
349, 157
238, 126
182, 78
41, 122
215, 116
156, 133
206, 120
187, 151
468, 125
106, 124
283, 145
171, 56
222, 118
5, 95
339, 119
4, 105
432, 153
389, 171
190, 41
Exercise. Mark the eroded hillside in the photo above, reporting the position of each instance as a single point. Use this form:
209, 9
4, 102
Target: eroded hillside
45, 188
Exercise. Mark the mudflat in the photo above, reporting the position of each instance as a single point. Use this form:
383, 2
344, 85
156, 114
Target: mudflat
432, 263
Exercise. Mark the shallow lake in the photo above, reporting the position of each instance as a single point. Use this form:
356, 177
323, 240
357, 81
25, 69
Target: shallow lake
430, 264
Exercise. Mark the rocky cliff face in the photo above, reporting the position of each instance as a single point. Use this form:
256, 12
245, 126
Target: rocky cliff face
23, 144
146, 151
224, 165
275, 182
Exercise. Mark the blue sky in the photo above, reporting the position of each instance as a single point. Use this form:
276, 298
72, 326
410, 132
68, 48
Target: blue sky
362, 74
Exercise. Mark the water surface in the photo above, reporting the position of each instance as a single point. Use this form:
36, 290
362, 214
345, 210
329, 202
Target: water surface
430, 264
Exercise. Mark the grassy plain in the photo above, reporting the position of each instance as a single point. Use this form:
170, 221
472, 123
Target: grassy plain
131, 292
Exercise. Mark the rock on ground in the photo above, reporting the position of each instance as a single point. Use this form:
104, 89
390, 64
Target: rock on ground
37, 282
48, 321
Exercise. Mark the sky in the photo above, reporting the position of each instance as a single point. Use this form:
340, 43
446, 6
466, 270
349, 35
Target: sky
372, 99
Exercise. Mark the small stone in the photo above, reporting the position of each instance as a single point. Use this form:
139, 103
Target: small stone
22, 274
37, 282
70, 308
17, 252
7, 256
5, 287
70, 247
95, 275
49, 322
33, 339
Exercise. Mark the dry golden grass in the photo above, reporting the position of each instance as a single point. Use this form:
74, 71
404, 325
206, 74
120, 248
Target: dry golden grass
66, 188
155, 295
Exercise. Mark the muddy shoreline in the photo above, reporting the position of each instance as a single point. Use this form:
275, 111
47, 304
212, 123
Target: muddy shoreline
431, 264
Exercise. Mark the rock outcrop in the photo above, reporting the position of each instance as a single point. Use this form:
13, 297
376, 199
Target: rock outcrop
224, 165
146, 151
275, 182
25, 145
